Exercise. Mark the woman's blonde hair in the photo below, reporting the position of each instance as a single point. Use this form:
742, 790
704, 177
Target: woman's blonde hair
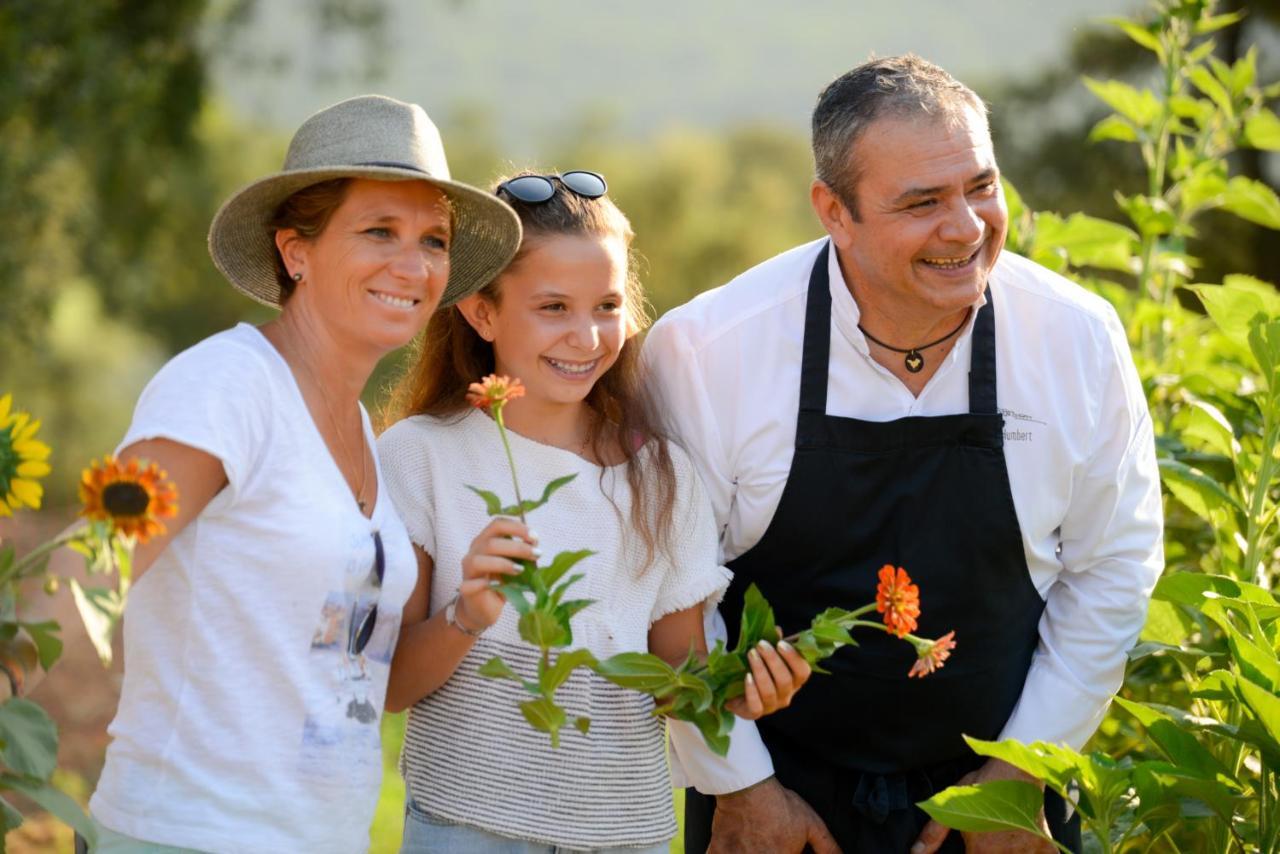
450, 355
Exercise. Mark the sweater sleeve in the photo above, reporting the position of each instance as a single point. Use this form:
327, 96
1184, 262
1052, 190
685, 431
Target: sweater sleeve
692, 573
407, 476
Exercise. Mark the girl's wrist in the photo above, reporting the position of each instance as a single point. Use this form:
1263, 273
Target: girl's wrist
451, 618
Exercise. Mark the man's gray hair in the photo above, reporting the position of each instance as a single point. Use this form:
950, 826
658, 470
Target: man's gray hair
898, 86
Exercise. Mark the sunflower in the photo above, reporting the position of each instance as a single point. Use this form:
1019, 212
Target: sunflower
23, 459
133, 496
494, 390
898, 599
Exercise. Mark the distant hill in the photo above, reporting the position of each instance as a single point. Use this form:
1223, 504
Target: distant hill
537, 68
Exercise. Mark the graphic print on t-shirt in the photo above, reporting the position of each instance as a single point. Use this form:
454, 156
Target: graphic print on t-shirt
345, 722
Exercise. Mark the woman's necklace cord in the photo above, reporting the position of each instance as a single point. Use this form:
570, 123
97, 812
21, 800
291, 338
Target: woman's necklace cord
914, 358
333, 422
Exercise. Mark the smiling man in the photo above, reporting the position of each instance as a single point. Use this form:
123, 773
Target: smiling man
905, 392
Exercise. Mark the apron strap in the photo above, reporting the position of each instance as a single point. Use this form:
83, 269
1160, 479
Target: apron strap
816, 355
817, 338
982, 361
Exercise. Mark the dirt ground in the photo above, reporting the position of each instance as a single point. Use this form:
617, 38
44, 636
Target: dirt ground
79, 693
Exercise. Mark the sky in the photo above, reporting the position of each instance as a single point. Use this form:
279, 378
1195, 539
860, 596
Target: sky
538, 67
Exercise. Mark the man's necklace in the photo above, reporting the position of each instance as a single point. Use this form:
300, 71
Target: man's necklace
914, 358
333, 421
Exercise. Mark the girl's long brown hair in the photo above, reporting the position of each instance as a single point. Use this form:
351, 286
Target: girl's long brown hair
449, 356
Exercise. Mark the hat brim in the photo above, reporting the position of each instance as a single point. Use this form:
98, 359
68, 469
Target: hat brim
486, 231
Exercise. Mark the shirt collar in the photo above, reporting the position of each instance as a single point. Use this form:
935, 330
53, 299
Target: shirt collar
845, 313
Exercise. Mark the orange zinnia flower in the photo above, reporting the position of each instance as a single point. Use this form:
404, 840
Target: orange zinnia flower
132, 496
494, 390
933, 655
898, 599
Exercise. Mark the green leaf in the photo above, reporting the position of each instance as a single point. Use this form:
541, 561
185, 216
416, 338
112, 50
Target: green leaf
1114, 127
1213, 23
1252, 200
492, 503
542, 629
100, 609
757, 620
10, 818
1265, 704
561, 564
496, 668
1217, 685
1166, 624
1162, 783
695, 690
57, 803
1088, 241
45, 637
1191, 656
1257, 663
638, 671
544, 715
1139, 33
582, 724
1262, 130
1204, 80
1202, 495
30, 738
1264, 341
1177, 745
1232, 309
565, 610
1206, 423
528, 505
988, 807
1051, 763
1139, 107
563, 666
1151, 216
714, 725
7, 554
1194, 588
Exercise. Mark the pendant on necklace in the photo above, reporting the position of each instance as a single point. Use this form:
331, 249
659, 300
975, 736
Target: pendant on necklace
914, 361
361, 503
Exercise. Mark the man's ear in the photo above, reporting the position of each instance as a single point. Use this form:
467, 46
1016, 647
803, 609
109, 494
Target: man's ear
831, 210
478, 310
294, 249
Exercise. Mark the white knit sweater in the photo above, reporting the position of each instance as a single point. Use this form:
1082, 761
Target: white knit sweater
469, 755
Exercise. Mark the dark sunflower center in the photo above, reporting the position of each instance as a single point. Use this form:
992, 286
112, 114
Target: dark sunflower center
124, 498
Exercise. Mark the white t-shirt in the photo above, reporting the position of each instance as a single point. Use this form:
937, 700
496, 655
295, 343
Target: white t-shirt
469, 755
245, 723
1077, 444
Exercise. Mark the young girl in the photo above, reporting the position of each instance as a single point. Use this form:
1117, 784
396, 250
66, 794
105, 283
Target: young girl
563, 319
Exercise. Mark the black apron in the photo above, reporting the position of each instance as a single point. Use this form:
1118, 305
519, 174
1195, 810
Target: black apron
931, 495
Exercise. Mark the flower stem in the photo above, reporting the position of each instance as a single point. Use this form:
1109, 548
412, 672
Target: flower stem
502, 432
39, 553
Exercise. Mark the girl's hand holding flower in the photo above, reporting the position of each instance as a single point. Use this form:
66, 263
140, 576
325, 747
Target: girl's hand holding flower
493, 554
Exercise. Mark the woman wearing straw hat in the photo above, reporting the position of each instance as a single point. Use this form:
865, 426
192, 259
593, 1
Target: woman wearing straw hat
260, 626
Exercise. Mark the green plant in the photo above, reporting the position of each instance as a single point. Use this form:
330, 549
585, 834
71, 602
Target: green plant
697, 689
1204, 682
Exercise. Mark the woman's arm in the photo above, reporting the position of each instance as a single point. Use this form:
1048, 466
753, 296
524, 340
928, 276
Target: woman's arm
776, 673
430, 650
199, 477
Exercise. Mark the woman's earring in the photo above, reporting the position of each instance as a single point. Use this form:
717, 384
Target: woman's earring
297, 277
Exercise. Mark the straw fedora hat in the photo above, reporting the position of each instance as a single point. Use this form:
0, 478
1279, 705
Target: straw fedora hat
366, 137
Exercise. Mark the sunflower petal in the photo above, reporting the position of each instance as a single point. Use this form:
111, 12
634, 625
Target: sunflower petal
32, 449
33, 469
27, 432
5, 403
27, 491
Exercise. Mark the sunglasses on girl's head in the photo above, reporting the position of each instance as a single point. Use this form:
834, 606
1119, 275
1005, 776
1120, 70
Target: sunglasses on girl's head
360, 635
535, 189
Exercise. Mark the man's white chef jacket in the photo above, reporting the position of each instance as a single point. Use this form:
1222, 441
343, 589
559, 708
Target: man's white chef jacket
1078, 446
